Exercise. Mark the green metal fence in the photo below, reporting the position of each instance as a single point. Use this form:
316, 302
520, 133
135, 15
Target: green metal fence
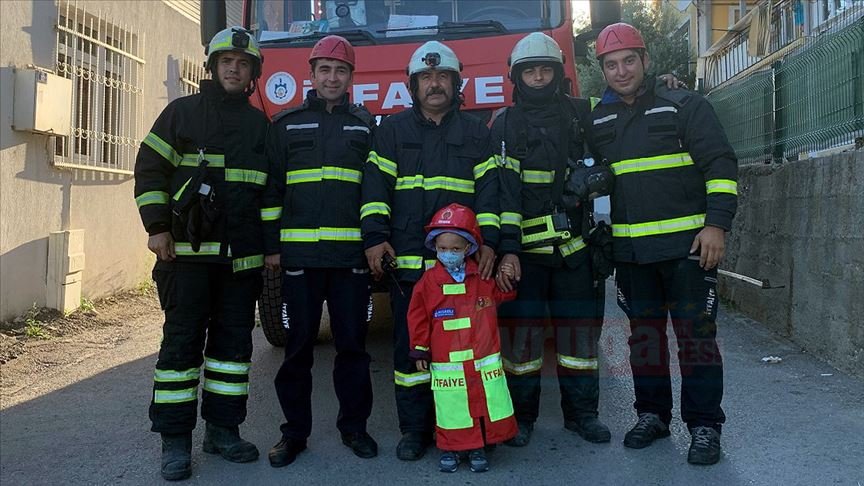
810, 100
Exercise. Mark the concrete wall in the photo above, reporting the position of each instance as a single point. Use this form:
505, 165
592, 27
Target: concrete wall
35, 198
801, 225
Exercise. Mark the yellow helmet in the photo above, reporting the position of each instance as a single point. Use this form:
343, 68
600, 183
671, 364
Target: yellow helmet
235, 39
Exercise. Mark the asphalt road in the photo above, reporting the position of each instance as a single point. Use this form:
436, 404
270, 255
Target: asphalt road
797, 422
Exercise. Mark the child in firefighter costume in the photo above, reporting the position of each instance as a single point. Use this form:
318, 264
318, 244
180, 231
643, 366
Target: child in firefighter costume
453, 326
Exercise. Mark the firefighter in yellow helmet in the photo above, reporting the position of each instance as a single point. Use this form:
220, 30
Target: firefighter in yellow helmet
198, 182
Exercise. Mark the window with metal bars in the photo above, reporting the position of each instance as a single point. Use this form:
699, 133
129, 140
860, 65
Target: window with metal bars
104, 62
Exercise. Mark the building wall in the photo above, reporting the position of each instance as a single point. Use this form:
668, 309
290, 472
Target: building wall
801, 226
35, 198
720, 16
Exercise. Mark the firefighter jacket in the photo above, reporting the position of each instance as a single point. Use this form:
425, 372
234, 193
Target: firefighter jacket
457, 324
529, 160
313, 194
417, 167
675, 171
232, 134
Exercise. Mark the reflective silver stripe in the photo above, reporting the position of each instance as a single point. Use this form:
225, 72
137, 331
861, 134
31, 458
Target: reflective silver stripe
605, 119
661, 109
411, 379
488, 360
523, 368
301, 126
229, 367
225, 388
207, 248
163, 376
577, 363
446, 366
175, 396
358, 128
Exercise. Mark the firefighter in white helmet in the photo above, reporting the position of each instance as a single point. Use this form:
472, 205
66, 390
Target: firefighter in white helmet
423, 159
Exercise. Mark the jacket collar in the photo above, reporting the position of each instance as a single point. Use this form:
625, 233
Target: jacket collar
212, 90
452, 123
318, 104
610, 96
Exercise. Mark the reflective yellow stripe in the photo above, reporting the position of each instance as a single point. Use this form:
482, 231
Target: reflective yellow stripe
207, 249
488, 219
229, 367
523, 368
162, 148
427, 264
572, 246
538, 176
543, 250
324, 173
511, 218
384, 165
483, 167
271, 214
509, 163
434, 183
411, 379
421, 348
214, 161
248, 263
455, 324
182, 188
661, 227
727, 186
464, 355
446, 366
577, 363
376, 207
410, 262
453, 289
312, 235
165, 376
226, 388
246, 175
652, 163
152, 197
175, 396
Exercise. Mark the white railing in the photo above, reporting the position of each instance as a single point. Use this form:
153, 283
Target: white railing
191, 73
105, 62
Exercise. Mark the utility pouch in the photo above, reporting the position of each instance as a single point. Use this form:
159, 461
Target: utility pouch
546, 230
195, 205
600, 246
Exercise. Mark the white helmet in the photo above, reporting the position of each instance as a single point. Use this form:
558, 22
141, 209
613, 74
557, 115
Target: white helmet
433, 55
535, 47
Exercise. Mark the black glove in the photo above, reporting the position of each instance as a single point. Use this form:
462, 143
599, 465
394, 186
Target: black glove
600, 245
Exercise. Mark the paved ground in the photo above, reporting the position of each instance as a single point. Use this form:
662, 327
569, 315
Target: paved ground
797, 422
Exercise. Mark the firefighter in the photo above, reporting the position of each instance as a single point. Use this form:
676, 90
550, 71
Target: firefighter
453, 326
199, 177
675, 195
547, 242
318, 150
422, 159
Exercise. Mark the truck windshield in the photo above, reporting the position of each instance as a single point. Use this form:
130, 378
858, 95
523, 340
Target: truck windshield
391, 21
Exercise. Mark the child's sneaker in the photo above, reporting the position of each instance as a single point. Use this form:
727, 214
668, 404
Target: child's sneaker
478, 461
449, 462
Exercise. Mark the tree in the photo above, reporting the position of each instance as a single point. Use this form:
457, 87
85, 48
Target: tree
658, 22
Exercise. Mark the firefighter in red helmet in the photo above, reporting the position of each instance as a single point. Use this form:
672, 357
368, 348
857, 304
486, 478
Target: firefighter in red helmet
674, 197
318, 149
453, 327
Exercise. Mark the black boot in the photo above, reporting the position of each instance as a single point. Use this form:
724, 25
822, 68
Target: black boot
226, 442
523, 436
412, 446
176, 456
589, 428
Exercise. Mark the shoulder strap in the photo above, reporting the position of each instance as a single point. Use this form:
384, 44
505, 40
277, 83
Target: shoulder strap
360, 112
288, 111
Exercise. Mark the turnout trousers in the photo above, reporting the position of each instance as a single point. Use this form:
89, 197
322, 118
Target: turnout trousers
304, 291
207, 308
567, 301
414, 402
649, 294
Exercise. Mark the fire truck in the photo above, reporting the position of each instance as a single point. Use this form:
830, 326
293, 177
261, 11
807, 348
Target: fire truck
384, 34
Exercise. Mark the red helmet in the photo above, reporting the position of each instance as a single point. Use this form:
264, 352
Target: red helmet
333, 47
458, 219
617, 37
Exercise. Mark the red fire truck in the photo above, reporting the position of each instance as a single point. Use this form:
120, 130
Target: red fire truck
385, 33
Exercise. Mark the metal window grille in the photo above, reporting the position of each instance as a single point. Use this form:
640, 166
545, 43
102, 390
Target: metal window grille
105, 62
191, 74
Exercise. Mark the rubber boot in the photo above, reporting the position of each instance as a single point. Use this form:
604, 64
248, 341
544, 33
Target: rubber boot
226, 442
176, 456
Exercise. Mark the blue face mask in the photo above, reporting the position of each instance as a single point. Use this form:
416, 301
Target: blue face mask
451, 260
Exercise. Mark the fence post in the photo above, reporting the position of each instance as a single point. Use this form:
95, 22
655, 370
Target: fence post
779, 125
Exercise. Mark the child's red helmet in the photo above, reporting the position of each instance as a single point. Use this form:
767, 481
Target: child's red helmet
454, 218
